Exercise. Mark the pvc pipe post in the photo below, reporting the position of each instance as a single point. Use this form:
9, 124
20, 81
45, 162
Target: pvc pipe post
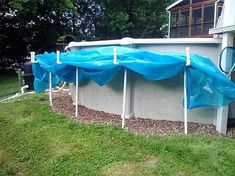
19, 72
32, 56
22, 89
124, 98
185, 91
115, 62
76, 92
50, 88
58, 57
230, 72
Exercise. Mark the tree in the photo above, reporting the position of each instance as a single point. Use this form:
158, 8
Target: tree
133, 18
35, 25
31, 25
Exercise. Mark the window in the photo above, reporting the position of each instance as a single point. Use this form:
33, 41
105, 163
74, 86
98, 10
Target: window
197, 1
184, 18
218, 12
209, 14
208, 20
184, 24
196, 21
197, 16
174, 19
193, 20
174, 24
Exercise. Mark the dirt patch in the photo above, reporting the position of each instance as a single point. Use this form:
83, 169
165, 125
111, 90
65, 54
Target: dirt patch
62, 103
119, 169
3, 157
129, 168
151, 161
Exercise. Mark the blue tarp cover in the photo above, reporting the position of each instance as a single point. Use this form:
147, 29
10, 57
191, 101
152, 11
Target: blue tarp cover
206, 85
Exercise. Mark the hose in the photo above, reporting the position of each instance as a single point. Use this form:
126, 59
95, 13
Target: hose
58, 89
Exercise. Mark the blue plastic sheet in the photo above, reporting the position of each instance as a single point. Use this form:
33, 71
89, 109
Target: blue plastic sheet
206, 85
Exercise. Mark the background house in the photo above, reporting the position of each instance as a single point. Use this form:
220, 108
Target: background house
193, 18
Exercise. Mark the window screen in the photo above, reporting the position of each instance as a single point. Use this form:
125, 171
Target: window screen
174, 19
196, 21
184, 18
208, 20
174, 24
208, 14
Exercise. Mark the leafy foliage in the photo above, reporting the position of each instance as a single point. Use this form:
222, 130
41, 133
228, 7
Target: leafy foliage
35, 25
134, 18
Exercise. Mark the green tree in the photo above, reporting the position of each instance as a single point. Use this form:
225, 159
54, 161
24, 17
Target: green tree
133, 18
35, 25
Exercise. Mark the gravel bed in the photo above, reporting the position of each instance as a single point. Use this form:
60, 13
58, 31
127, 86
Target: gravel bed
62, 103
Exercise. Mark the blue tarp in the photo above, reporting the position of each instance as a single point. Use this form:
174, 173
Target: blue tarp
206, 85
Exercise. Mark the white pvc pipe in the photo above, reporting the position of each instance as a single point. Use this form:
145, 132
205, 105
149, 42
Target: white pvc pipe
76, 92
32, 56
185, 91
216, 13
230, 72
58, 57
17, 95
115, 62
50, 88
58, 89
124, 98
22, 89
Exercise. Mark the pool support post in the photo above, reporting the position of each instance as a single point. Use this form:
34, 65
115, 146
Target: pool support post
115, 62
124, 98
58, 57
32, 56
50, 77
50, 88
76, 92
185, 91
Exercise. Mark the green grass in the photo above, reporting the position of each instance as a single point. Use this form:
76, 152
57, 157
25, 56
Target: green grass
8, 84
36, 141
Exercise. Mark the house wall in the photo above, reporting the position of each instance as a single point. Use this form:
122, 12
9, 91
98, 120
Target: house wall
149, 99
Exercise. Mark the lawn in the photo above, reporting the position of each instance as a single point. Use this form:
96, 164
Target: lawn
36, 141
8, 84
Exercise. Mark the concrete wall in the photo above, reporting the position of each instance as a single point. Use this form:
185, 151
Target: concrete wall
150, 99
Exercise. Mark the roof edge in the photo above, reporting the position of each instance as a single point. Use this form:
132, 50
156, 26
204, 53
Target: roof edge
174, 4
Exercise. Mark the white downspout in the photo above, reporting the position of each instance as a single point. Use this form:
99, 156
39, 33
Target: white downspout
215, 13
169, 24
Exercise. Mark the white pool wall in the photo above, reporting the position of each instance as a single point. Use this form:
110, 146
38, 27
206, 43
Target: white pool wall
158, 100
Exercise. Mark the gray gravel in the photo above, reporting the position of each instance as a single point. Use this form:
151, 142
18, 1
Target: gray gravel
62, 103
